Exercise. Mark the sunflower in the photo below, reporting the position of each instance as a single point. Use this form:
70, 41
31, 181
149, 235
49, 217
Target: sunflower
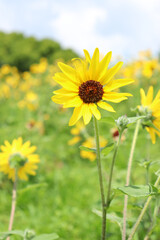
88, 85
151, 108
18, 157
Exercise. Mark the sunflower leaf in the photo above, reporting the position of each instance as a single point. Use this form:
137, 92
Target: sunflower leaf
4, 235
139, 190
107, 149
87, 149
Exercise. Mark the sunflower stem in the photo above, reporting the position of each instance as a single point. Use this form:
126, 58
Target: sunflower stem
13, 207
142, 212
111, 172
103, 236
128, 177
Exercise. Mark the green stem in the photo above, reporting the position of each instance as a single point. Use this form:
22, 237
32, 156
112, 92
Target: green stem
128, 178
142, 212
13, 207
154, 220
111, 173
103, 236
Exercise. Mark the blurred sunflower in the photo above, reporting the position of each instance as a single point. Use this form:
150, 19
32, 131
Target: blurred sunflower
151, 108
90, 143
89, 84
18, 157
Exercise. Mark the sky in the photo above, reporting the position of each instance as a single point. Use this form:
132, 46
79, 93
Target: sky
124, 27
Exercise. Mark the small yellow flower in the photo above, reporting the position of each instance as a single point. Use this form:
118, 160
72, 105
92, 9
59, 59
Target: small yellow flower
149, 67
5, 91
152, 108
30, 101
39, 68
79, 128
90, 143
5, 69
18, 157
74, 140
87, 85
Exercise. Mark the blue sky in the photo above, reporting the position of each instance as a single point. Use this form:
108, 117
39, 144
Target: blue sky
123, 26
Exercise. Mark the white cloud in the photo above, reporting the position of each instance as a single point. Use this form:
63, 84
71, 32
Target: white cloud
78, 29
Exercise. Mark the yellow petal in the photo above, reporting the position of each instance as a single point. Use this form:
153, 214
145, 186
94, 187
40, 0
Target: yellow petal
86, 113
143, 97
61, 99
114, 84
94, 64
105, 106
69, 71
74, 102
77, 113
65, 92
104, 65
95, 111
152, 134
110, 73
66, 84
157, 98
87, 56
149, 96
115, 97
22, 175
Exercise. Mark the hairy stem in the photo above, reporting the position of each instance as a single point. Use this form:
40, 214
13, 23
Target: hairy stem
103, 236
128, 178
111, 173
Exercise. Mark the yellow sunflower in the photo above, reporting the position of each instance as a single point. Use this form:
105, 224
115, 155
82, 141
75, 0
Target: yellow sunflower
152, 109
18, 157
89, 84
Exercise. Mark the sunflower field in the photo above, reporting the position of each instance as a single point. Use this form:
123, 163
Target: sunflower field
48, 169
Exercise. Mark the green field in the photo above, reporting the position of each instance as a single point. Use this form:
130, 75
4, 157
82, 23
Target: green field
64, 192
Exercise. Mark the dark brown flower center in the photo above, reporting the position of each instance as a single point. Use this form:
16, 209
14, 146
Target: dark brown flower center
91, 91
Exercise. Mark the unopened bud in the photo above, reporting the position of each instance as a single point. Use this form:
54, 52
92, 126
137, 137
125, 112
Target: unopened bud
122, 123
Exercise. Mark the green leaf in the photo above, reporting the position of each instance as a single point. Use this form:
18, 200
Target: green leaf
139, 190
87, 149
32, 186
108, 120
106, 150
50, 236
4, 235
111, 217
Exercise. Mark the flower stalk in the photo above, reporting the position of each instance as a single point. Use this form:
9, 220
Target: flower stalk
111, 172
13, 207
128, 177
103, 235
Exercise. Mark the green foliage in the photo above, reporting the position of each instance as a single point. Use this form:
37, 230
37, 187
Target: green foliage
139, 190
21, 51
28, 235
